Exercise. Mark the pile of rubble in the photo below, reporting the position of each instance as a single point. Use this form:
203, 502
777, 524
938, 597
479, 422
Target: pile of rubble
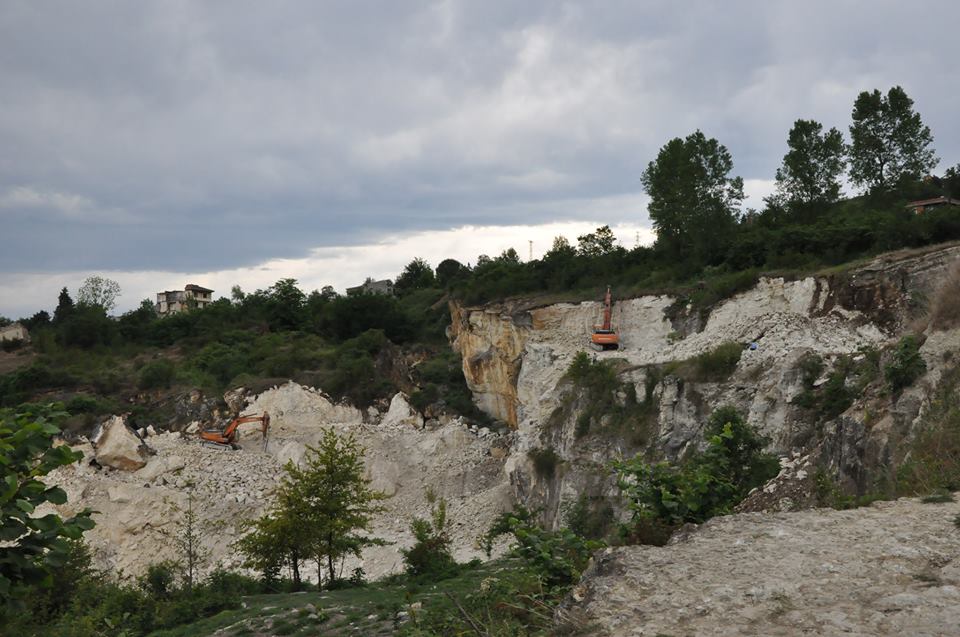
140, 483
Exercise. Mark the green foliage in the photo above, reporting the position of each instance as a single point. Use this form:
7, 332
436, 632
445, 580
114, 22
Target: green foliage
704, 485
692, 197
557, 557
591, 518
719, 363
32, 547
603, 399
417, 275
829, 494
812, 169
322, 508
100, 292
906, 365
890, 143
156, 374
596, 244
933, 461
430, 556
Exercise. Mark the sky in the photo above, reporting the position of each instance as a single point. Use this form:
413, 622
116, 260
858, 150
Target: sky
169, 142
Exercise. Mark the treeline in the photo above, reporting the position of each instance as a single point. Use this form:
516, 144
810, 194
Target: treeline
702, 235
348, 345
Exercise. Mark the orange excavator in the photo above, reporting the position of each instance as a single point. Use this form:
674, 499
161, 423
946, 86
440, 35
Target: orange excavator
604, 337
227, 438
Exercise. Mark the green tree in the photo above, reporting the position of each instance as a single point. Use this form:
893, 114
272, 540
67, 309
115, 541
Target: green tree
32, 547
951, 181
693, 199
274, 541
417, 275
98, 291
323, 508
449, 270
596, 243
333, 498
811, 169
430, 554
64, 306
560, 249
889, 141
285, 303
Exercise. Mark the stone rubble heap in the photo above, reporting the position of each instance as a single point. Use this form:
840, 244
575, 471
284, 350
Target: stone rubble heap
140, 503
889, 569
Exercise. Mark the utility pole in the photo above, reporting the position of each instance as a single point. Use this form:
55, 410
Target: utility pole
530, 257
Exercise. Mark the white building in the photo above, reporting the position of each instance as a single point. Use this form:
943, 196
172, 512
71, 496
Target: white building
174, 301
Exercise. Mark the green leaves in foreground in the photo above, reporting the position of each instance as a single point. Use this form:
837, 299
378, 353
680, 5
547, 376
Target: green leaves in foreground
31, 546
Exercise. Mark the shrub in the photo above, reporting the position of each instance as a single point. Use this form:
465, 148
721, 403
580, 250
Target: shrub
719, 363
706, 484
156, 374
906, 365
591, 518
934, 457
558, 557
430, 555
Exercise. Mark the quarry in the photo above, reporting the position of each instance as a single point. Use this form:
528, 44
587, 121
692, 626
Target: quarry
780, 566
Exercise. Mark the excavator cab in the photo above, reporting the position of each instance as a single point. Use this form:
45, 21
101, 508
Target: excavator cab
604, 337
227, 438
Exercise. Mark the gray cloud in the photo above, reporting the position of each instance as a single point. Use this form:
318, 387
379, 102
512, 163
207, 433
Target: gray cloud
190, 136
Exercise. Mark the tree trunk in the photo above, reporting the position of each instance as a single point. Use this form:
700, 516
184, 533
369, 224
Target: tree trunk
333, 574
295, 569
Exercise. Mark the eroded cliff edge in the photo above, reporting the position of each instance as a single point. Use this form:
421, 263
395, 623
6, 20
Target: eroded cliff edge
516, 354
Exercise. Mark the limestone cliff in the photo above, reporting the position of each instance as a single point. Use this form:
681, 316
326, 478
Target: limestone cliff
515, 356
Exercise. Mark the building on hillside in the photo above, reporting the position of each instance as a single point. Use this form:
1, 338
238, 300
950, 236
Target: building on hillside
173, 301
923, 205
370, 286
14, 332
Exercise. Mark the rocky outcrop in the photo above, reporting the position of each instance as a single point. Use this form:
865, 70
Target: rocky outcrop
515, 357
119, 447
401, 413
890, 569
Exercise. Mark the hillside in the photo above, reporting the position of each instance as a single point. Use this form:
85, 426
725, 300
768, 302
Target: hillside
846, 373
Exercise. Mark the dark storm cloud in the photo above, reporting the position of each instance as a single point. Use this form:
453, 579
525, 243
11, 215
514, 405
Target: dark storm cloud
188, 136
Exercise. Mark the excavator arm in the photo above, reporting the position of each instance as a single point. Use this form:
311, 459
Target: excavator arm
228, 436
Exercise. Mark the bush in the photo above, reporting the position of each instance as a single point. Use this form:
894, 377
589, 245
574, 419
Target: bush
719, 363
430, 555
558, 557
933, 461
156, 374
706, 484
906, 365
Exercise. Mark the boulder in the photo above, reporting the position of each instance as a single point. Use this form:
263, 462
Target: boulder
119, 447
159, 466
401, 413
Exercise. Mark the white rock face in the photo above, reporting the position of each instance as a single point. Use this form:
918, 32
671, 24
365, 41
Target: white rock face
119, 447
401, 413
888, 569
137, 509
295, 407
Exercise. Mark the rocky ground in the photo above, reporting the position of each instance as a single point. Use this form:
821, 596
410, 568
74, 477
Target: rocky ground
138, 510
889, 569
